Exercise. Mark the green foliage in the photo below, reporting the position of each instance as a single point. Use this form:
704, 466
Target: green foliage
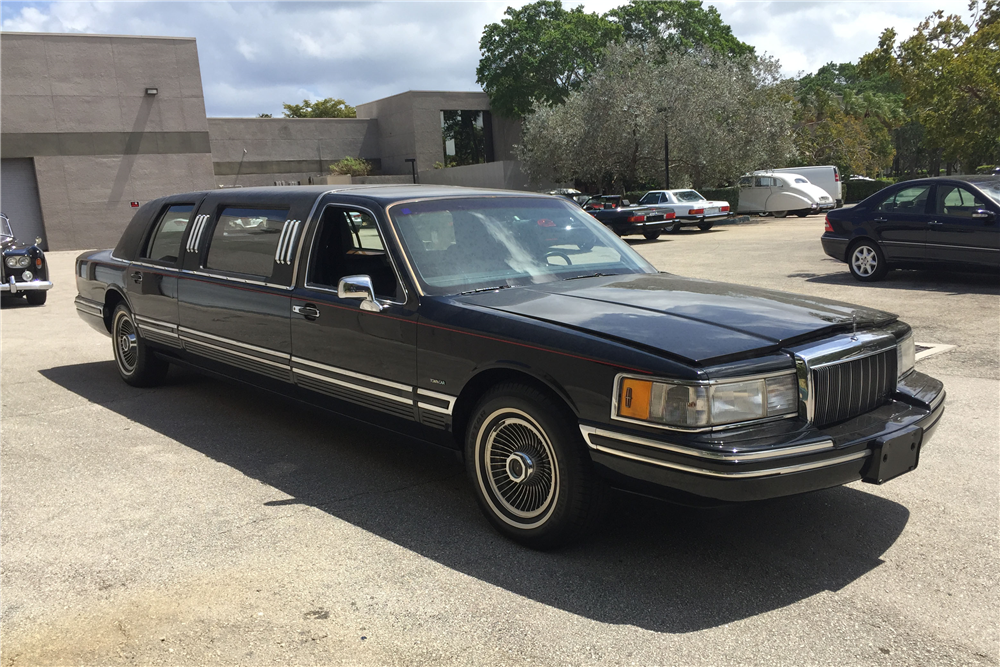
539, 54
948, 72
328, 108
855, 191
677, 25
352, 166
731, 195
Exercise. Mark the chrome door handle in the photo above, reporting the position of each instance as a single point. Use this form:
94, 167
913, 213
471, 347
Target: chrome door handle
881, 219
308, 311
136, 277
935, 222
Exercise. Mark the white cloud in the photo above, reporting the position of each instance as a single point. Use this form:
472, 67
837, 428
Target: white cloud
257, 55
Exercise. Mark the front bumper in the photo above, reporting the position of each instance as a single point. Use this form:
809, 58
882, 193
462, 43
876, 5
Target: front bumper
14, 287
776, 459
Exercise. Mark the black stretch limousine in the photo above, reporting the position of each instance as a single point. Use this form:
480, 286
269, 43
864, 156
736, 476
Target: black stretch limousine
519, 330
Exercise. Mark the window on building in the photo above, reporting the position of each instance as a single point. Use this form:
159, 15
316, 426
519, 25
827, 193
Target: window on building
466, 136
245, 240
165, 243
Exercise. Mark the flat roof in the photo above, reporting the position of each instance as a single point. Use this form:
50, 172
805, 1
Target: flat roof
11, 33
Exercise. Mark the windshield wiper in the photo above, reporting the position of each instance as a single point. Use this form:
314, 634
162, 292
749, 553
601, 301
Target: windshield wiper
594, 275
484, 289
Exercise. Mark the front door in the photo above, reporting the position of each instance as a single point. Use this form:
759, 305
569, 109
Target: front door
339, 350
962, 230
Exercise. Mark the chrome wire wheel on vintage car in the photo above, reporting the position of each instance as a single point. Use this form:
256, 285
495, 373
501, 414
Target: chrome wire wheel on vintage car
519, 466
137, 364
530, 468
866, 261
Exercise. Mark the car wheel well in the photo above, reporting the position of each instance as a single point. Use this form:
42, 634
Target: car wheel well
111, 301
475, 388
854, 244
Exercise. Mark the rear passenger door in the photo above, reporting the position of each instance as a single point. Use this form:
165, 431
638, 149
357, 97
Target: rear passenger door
234, 296
339, 349
901, 221
152, 277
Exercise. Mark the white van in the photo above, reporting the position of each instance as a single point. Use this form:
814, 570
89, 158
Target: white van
826, 177
781, 194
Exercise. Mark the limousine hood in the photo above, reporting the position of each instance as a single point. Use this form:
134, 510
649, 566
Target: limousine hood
696, 320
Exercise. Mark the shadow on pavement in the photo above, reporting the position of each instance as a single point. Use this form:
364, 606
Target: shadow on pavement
654, 566
950, 282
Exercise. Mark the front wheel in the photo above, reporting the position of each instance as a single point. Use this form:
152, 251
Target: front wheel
137, 364
529, 467
36, 297
651, 236
867, 261
802, 214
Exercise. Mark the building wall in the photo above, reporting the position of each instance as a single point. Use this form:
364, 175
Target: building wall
502, 175
77, 104
287, 149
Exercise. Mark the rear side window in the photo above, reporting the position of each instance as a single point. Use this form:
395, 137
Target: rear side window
957, 201
909, 200
165, 243
245, 240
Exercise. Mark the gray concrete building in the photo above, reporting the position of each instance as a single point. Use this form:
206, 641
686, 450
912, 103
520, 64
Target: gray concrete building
97, 122
92, 124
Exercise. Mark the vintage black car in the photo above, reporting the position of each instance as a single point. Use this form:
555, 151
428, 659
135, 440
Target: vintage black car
455, 316
621, 217
951, 222
23, 267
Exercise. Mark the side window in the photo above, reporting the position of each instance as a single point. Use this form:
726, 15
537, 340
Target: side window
245, 240
165, 243
746, 182
348, 243
956, 201
650, 198
762, 182
907, 200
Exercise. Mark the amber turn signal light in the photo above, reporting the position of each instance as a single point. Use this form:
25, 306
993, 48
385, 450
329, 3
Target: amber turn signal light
634, 400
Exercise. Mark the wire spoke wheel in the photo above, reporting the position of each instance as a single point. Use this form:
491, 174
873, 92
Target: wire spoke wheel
126, 343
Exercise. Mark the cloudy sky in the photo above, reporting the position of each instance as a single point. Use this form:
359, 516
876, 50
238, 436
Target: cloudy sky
256, 55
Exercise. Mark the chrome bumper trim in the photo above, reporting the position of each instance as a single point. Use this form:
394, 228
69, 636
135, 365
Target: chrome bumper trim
735, 457
14, 287
737, 474
90, 308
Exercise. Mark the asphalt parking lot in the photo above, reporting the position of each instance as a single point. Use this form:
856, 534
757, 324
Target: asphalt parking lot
204, 523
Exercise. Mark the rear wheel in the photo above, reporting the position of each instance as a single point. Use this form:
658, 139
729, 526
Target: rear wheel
37, 297
779, 214
866, 261
705, 226
529, 467
651, 236
802, 214
674, 228
137, 364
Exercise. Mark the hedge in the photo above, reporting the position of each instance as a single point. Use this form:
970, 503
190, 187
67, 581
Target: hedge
855, 191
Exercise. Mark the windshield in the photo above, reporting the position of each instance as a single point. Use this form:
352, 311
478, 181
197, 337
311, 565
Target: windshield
5, 230
464, 244
688, 195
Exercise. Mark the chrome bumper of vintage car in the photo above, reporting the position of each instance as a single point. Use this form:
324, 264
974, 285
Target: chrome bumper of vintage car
807, 460
14, 287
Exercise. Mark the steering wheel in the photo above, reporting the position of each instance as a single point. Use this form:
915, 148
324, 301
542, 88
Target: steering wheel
558, 253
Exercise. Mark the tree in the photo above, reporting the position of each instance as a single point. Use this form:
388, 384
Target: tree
948, 72
328, 108
677, 25
723, 116
539, 53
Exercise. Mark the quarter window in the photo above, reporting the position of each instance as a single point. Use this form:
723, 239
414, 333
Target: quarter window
165, 243
245, 240
907, 200
347, 243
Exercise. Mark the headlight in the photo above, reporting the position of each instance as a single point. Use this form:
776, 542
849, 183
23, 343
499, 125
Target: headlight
906, 355
706, 405
18, 261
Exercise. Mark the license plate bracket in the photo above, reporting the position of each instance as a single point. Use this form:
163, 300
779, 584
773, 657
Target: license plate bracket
894, 456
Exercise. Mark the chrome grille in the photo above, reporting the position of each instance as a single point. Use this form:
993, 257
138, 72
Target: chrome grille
853, 387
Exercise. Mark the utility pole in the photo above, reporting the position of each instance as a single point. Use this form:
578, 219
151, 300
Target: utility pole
239, 168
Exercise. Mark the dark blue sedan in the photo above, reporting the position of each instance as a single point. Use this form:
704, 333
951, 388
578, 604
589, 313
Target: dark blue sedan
951, 222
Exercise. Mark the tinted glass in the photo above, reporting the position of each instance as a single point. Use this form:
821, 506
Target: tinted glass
992, 189
746, 182
688, 195
165, 244
650, 198
907, 200
956, 201
245, 240
347, 243
458, 245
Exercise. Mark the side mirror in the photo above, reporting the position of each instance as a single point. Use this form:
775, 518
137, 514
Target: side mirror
985, 215
359, 287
